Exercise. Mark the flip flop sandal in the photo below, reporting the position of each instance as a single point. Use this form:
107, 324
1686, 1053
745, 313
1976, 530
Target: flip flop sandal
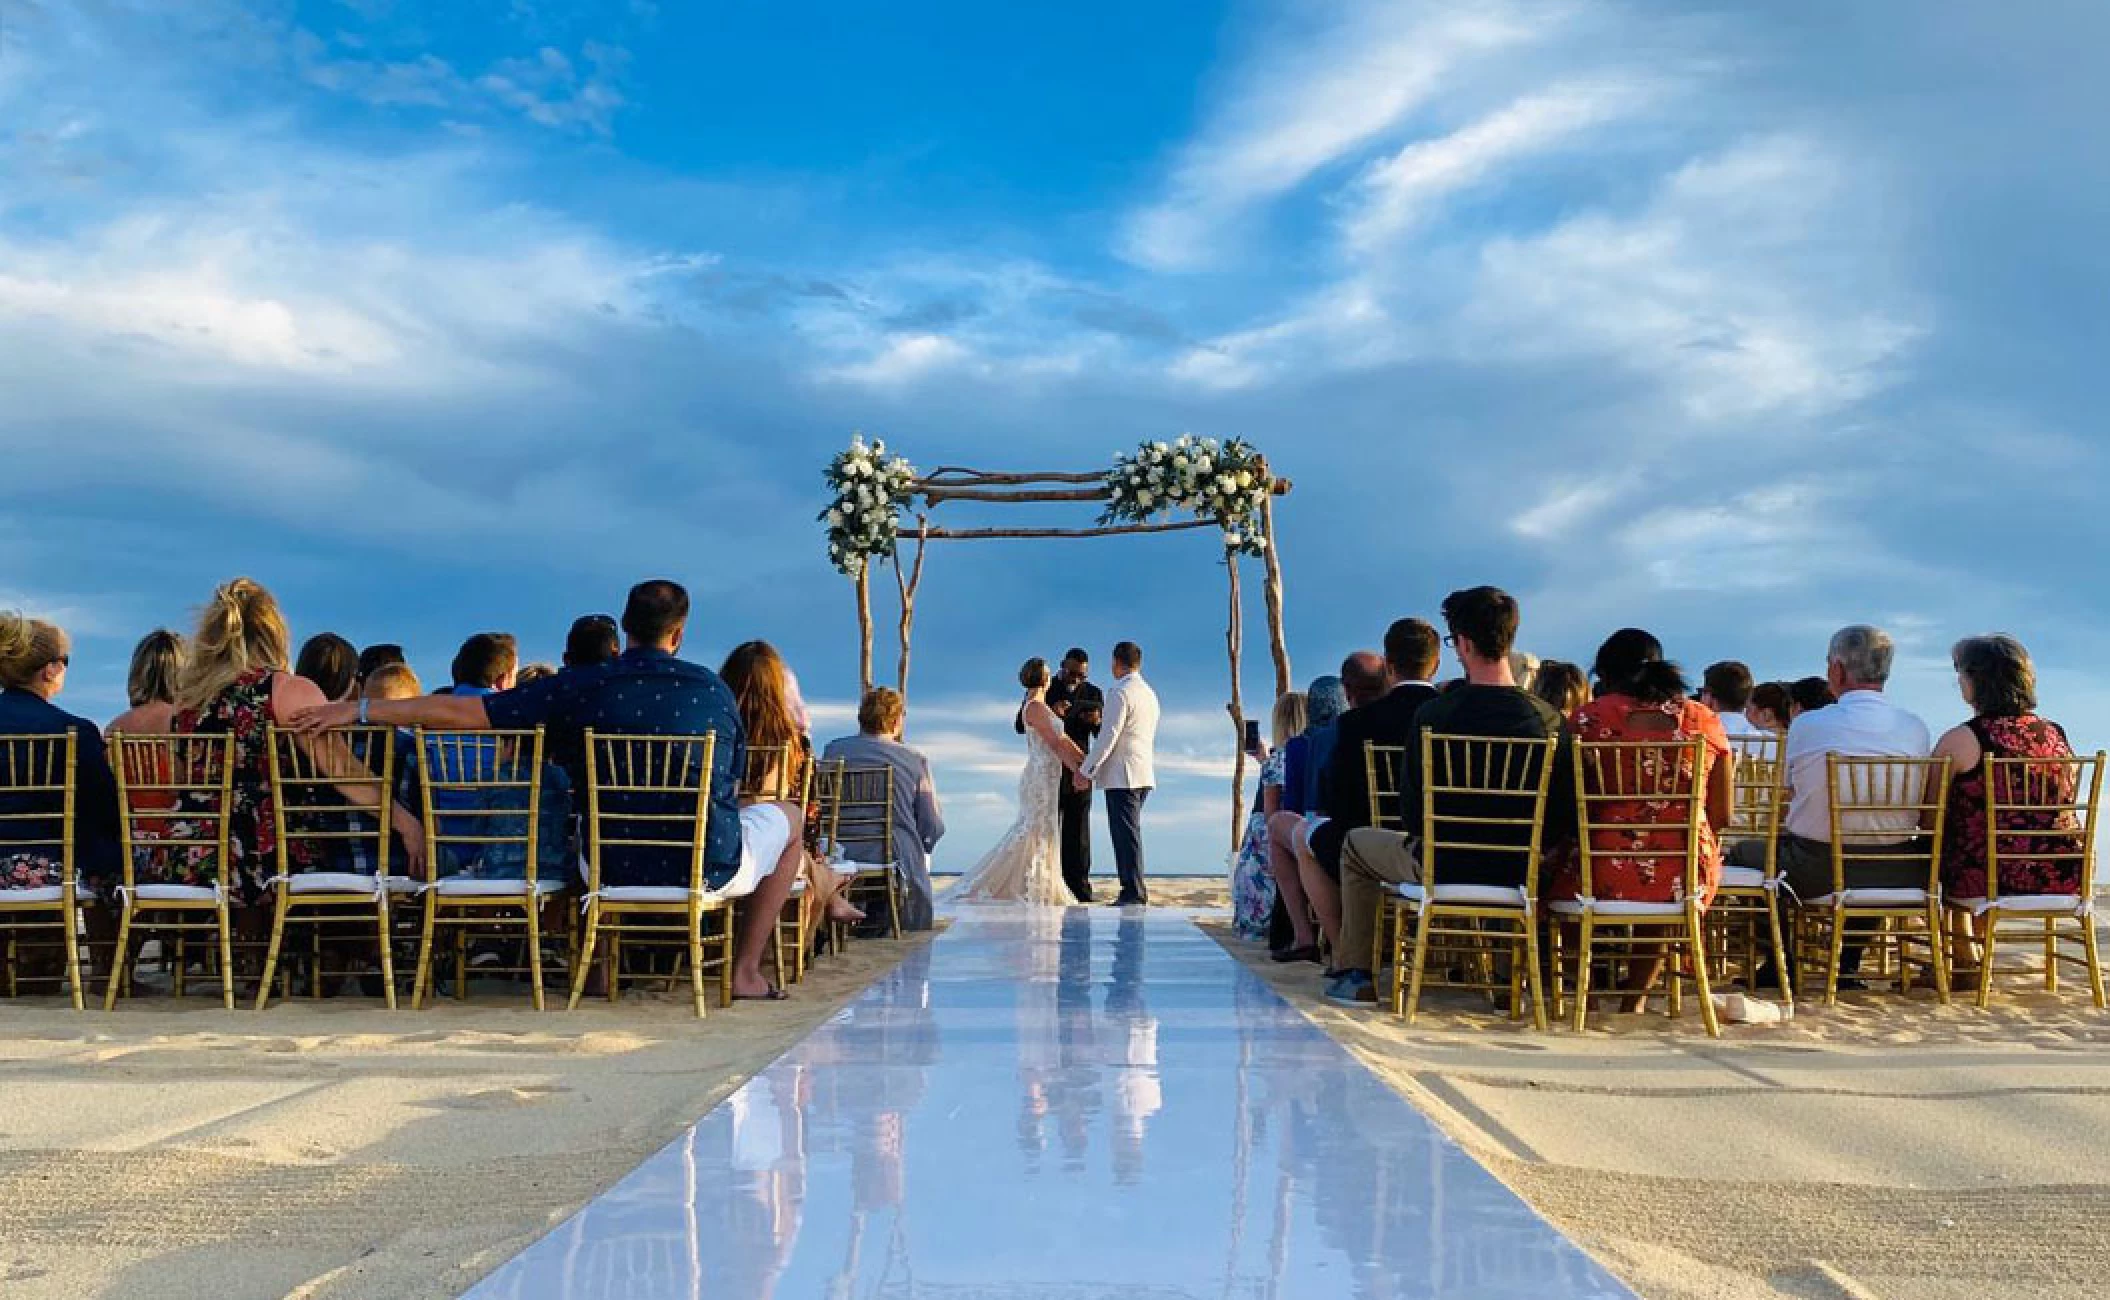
774, 995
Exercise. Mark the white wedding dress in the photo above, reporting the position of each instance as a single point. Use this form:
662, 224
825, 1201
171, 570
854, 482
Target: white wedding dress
1026, 865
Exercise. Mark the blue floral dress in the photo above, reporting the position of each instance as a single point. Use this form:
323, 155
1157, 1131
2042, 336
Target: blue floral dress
1252, 883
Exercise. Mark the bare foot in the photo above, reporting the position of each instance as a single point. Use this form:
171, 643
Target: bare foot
838, 910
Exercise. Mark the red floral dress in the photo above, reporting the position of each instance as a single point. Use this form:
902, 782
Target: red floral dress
243, 710
1652, 879
1963, 835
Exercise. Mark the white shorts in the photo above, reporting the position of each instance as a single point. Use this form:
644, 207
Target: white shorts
764, 834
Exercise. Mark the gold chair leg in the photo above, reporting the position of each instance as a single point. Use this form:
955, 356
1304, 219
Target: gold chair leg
534, 931
461, 963
1837, 947
1533, 979
278, 934
696, 960
388, 957
2051, 955
2094, 960
73, 958
1422, 920
615, 965
1985, 960
118, 958
225, 924
893, 904
1397, 940
421, 977
1699, 973
1583, 943
1939, 948
725, 954
583, 962
1780, 957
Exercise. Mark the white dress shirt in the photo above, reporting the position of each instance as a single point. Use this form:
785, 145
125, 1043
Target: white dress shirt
1862, 724
1734, 723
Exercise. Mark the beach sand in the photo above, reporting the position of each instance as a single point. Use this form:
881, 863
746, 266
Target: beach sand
335, 1149
1881, 1148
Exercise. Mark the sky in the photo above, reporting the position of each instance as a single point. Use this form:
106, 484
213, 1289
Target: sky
1738, 323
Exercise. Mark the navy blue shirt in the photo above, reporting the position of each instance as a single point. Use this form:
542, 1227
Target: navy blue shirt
96, 852
641, 693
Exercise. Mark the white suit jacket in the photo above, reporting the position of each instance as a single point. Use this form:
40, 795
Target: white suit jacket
1121, 759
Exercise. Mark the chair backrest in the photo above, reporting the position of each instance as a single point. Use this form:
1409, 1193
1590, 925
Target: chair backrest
1381, 765
481, 801
318, 784
175, 795
2042, 811
779, 773
1484, 798
864, 814
648, 797
1910, 795
1759, 795
37, 804
828, 797
1647, 794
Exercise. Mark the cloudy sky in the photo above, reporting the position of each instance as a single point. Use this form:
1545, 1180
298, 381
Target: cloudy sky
1735, 322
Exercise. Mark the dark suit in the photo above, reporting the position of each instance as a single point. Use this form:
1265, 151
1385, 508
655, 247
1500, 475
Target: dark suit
1080, 707
1346, 780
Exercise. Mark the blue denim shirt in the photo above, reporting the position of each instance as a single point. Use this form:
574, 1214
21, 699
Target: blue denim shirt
648, 693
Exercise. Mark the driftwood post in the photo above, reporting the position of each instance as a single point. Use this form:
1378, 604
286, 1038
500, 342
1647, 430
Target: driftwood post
1277, 640
864, 630
907, 587
1234, 638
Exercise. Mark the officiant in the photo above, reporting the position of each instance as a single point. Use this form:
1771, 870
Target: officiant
1080, 705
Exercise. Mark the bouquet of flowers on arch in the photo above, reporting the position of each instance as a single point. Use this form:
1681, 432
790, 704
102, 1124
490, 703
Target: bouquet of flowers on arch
1223, 481
869, 488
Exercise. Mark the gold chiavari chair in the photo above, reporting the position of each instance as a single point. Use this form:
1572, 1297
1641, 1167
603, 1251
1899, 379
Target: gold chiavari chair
784, 774
1743, 914
481, 801
331, 795
864, 831
2040, 810
1665, 778
650, 796
1381, 767
175, 795
37, 822
828, 786
1898, 793
1507, 780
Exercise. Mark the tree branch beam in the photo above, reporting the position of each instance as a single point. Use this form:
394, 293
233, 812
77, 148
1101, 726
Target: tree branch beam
1110, 530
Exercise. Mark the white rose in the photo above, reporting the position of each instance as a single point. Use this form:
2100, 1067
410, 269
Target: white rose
1143, 499
1233, 538
1159, 447
1245, 478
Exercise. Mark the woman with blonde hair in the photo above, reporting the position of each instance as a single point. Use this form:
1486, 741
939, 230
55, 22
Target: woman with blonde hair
34, 659
150, 686
781, 759
237, 682
1253, 887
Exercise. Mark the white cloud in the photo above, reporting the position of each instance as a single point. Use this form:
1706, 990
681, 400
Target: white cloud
903, 360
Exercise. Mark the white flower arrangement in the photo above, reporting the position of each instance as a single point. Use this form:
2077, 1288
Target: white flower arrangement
1225, 482
870, 488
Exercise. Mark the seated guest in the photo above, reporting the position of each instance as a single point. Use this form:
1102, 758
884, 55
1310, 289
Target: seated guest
767, 697
751, 845
236, 682
395, 681
919, 822
1769, 710
329, 661
1862, 724
592, 640
1253, 896
1523, 666
150, 687
534, 672
1999, 686
1562, 685
1412, 651
1364, 680
1324, 703
1809, 695
1483, 629
34, 659
376, 657
1726, 688
485, 665
1643, 698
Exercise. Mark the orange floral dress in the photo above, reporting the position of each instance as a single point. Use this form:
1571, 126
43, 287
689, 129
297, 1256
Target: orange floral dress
1614, 872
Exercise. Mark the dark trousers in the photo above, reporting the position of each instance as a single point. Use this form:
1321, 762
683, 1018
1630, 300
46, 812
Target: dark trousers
1124, 822
1076, 808
1806, 868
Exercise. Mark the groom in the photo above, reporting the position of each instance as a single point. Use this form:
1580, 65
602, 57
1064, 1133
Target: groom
1120, 764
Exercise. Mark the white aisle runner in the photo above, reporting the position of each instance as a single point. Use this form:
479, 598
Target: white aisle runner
1042, 1104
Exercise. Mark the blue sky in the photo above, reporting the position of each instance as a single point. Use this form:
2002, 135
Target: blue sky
1735, 322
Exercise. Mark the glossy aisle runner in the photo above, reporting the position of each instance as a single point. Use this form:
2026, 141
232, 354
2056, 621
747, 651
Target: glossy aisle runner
1043, 1104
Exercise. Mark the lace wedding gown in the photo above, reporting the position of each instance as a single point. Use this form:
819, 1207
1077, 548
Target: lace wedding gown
1026, 865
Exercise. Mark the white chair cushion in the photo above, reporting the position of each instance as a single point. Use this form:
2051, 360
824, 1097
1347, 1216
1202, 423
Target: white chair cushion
643, 894
333, 882
40, 894
1614, 907
177, 893
860, 868
1872, 898
1743, 878
1475, 895
471, 887
845, 870
405, 885
2034, 904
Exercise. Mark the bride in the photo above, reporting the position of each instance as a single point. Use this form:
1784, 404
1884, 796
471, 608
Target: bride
1026, 865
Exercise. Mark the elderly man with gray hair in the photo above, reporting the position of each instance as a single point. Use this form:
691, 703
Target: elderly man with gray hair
1865, 724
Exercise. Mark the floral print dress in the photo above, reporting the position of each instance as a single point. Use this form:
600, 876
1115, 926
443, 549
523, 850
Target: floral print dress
1252, 883
1643, 863
1963, 839
244, 711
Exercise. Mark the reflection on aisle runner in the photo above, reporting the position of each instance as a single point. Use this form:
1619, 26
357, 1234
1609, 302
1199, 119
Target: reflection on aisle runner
1059, 1103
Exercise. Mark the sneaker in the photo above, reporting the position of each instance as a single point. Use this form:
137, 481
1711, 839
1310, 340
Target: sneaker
1352, 988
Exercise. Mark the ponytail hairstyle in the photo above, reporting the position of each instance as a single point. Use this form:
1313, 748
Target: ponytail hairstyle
761, 686
1033, 674
157, 668
239, 631
27, 647
1631, 662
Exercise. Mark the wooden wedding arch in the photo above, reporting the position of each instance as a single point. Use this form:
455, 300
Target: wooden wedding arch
1250, 534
